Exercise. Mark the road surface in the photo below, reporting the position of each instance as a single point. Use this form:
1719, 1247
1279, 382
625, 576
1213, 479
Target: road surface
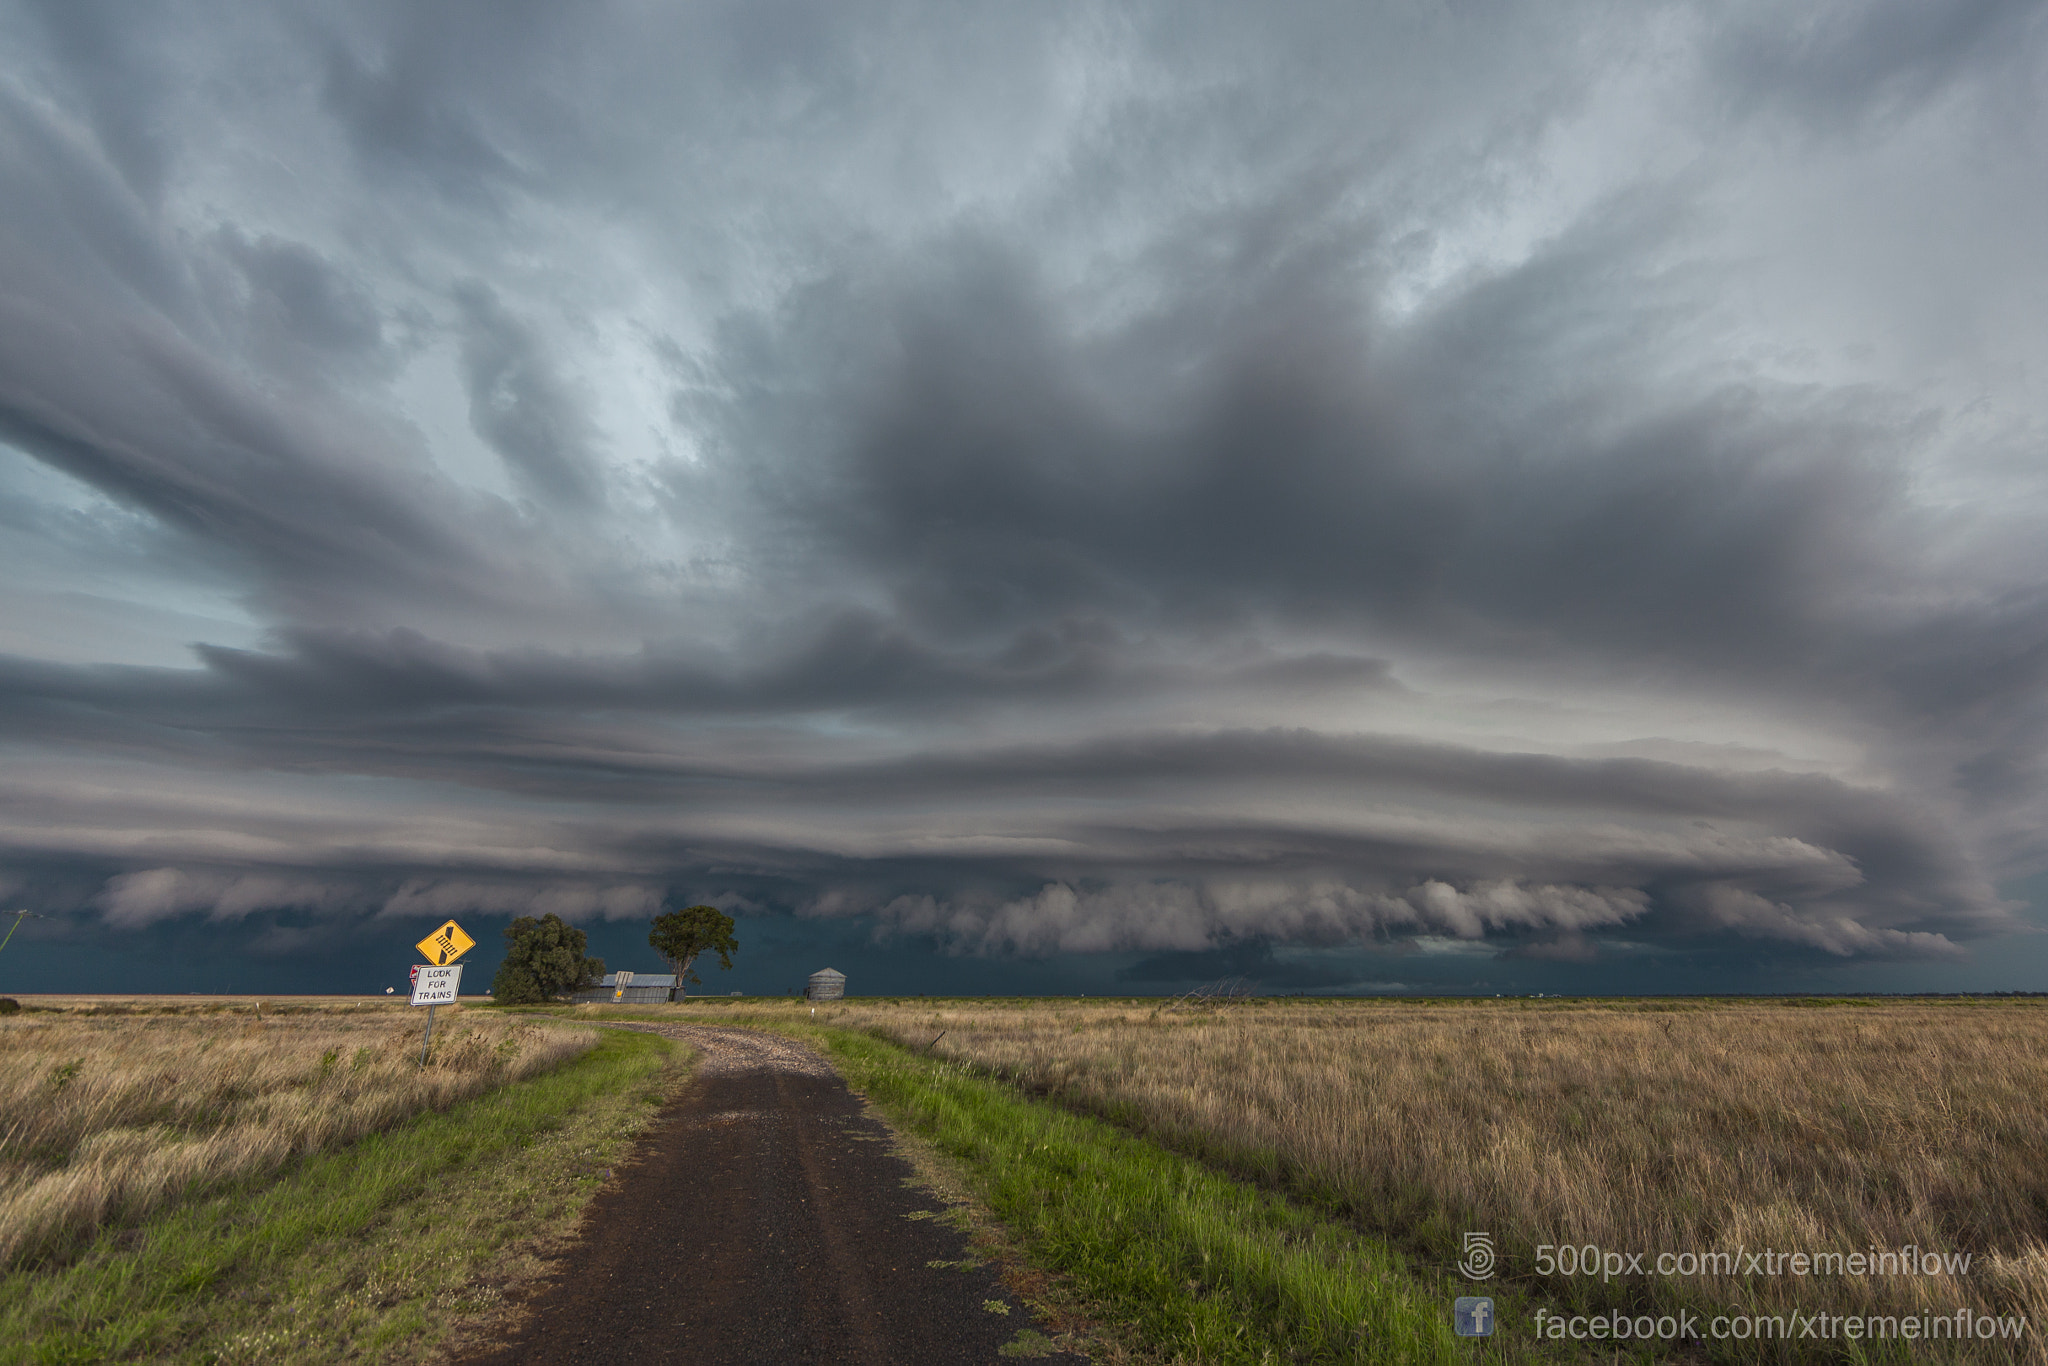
765, 1218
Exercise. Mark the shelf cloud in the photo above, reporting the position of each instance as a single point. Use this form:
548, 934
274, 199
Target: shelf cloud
1153, 481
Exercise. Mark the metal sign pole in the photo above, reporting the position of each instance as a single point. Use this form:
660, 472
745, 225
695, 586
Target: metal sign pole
430, 1036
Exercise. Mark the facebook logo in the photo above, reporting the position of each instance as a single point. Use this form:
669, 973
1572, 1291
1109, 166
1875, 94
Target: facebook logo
1472, 1315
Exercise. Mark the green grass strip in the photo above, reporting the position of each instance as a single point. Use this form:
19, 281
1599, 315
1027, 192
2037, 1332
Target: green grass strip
1203, 1266
278, 1270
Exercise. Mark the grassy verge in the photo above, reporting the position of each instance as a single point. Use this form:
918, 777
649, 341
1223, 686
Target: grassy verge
110, 1114
1204, 1267
379, 1251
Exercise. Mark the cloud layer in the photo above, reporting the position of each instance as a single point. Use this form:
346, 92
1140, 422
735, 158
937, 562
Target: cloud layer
1156, 480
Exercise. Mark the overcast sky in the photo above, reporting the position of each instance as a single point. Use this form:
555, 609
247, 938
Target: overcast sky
1372, 497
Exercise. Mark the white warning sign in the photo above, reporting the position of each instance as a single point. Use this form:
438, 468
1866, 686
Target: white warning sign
436, 986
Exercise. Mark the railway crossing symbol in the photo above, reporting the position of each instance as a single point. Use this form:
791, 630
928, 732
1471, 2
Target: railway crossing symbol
446, 944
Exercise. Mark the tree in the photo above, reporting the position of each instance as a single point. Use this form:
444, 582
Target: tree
681, 935
543, 959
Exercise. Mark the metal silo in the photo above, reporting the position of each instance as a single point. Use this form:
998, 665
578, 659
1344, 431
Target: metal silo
825, 985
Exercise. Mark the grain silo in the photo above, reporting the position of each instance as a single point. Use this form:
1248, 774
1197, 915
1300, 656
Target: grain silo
826, 984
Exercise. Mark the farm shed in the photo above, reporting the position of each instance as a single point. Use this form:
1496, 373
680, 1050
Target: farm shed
826, 984
642, 988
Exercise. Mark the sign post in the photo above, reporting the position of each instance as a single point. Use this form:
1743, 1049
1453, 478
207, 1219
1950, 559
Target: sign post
437, 983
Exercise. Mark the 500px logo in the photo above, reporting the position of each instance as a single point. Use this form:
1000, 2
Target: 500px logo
1477, 1263
1589, 1260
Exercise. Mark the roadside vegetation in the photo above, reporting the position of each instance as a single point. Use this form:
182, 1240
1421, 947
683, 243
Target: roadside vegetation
386, 1249
1206, 1268
1187, 1264
106, 1116
1631, 1127
1241, 1180
544, 958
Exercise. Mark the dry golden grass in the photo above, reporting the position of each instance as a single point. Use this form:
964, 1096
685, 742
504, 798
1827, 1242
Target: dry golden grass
1653, 1127
107, 1114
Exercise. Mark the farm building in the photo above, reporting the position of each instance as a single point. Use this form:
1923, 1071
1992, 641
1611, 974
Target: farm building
637, 988
826, 984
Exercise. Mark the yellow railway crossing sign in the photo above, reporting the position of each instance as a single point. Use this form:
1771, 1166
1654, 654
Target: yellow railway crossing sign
446, 944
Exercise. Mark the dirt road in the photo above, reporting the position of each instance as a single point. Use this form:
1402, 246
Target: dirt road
766, 1219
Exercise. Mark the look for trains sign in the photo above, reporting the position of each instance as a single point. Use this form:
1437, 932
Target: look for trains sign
446, 944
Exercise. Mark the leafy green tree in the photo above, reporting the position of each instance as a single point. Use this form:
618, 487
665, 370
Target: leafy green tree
681, 935
544, 959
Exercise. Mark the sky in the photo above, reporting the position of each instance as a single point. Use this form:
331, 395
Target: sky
1397, 498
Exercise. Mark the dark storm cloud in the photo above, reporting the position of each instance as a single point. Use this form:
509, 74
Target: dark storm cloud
1236, 967
1311, 474
240, 476
519, 405
299, 297
114, 75
1841, 61
1137, 484
71, 218
410, 87
1296, 810
395, 115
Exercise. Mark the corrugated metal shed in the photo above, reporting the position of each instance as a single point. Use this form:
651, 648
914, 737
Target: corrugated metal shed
642, 988
826, 984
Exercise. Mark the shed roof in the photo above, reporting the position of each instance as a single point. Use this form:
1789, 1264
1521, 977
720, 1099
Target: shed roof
643, 979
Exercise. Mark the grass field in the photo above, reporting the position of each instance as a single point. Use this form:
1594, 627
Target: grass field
1263, 1180
1206, 1268
383, 1250
1657, 1127
108, 1113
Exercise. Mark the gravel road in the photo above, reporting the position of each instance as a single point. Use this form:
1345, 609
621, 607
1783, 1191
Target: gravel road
765, 1218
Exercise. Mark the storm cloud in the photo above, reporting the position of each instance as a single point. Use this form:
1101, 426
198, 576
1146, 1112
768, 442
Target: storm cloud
1162, 481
